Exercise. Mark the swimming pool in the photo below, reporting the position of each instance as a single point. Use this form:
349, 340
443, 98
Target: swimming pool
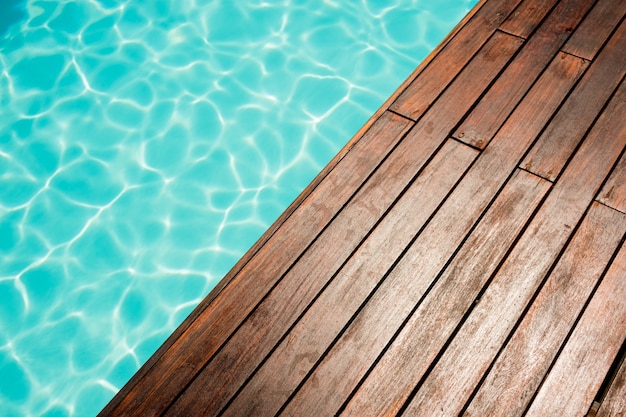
145, 146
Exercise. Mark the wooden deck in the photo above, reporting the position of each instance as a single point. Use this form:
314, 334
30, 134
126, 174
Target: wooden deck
463, 254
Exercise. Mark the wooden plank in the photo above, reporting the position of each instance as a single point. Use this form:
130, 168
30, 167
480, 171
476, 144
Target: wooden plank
520, 368
493, 109
440, 72
525, 19
392, 380
284, 370
596, 28
614, 404
559, 140
613, 193
475, 346
309, 275
376, 324
212, 326
579, 371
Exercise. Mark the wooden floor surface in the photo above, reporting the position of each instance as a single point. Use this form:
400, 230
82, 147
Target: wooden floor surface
463, 255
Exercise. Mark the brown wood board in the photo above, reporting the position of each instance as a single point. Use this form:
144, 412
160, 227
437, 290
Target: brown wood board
402, 289
486, 329
576, 377
525, 360
389, 384
306, 342
484, 121
528, 15
613, 193
418, 95
559, 140
596, 28
614, 404
508, 146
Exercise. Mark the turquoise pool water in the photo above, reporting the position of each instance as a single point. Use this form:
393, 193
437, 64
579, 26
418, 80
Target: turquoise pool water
146, 144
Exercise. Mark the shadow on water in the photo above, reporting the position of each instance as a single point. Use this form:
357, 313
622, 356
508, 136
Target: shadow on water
11, 11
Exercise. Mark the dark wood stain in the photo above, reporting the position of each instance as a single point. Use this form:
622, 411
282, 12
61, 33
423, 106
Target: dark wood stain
484, 121
462, 255
567, 129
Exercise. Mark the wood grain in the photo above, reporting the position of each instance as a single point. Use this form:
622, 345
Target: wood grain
493, 109
423, 91
284, 370
559, 140
520, 368
613, 193
596, 28
392, 380
488, 326
575, 378
525, 19
614, 404
375, 325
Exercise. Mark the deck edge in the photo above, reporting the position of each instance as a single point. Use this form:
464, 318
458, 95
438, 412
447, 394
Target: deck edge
265, 237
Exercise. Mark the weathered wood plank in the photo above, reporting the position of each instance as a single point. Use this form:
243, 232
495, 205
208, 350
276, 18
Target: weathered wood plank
391, 382
313, 270
614, 404
528, 15
559, 140
596, 28
577, 375
188, 354
375, 325
284, 370
520, 368
613, 193
439, 73
493, 109
475, 346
